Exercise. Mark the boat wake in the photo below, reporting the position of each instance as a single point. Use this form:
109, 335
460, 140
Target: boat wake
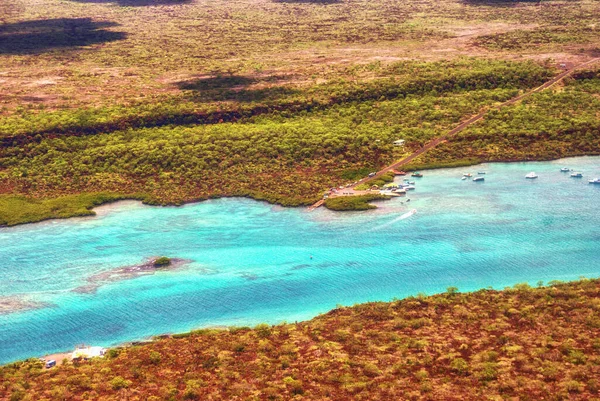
397, 219
406, 215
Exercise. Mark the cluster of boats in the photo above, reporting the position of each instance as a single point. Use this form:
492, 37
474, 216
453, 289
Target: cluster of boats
574, 174
479, 177
398, 188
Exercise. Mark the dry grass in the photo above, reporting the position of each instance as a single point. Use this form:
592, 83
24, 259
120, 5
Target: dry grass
132, 52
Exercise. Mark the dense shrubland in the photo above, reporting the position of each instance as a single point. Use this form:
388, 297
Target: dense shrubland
548, 125
285, 156
20, 209
525, 343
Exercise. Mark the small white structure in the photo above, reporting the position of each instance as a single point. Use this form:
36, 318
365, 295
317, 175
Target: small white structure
399, 142
87, 352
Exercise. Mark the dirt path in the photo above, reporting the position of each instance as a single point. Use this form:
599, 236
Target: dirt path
432, 144
476, 118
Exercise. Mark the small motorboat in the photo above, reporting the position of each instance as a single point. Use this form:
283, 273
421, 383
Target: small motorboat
478, 179
409, 187
481, 172
467, 175
565, 170
595, 181
531, 176
416, 174
576, 175
464, 178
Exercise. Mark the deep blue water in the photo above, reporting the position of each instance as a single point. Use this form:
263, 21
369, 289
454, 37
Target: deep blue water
251, 262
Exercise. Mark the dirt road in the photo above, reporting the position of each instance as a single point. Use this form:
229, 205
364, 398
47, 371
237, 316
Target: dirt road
435, 142
476, 118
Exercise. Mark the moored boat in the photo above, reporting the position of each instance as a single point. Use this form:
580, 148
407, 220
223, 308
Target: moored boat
565, 170
577, 175
531, 175
594, 181
467, 175
478, 179
416, 174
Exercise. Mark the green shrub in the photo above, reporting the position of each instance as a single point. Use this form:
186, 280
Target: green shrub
263, 330
162, 261
155, 357
348, 203
459, 366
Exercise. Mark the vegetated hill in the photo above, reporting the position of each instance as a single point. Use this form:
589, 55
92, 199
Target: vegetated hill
171, 101
520, 343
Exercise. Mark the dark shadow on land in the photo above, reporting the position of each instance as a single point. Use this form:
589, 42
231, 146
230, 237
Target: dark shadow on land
234, 87
499, 3
137, 3
45, 35
308, 1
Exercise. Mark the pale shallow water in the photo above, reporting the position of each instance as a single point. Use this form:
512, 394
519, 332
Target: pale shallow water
251, 262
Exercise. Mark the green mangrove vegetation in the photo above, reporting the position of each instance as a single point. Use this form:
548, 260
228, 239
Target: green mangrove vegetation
357, 202
18, 209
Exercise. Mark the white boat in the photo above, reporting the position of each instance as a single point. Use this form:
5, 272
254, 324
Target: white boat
595, 181
467, 175
565, 170
464, 178
409, 187
531, 175
577, 175
478, 179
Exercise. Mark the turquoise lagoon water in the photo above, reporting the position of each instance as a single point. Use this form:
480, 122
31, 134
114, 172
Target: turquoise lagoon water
251, 262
